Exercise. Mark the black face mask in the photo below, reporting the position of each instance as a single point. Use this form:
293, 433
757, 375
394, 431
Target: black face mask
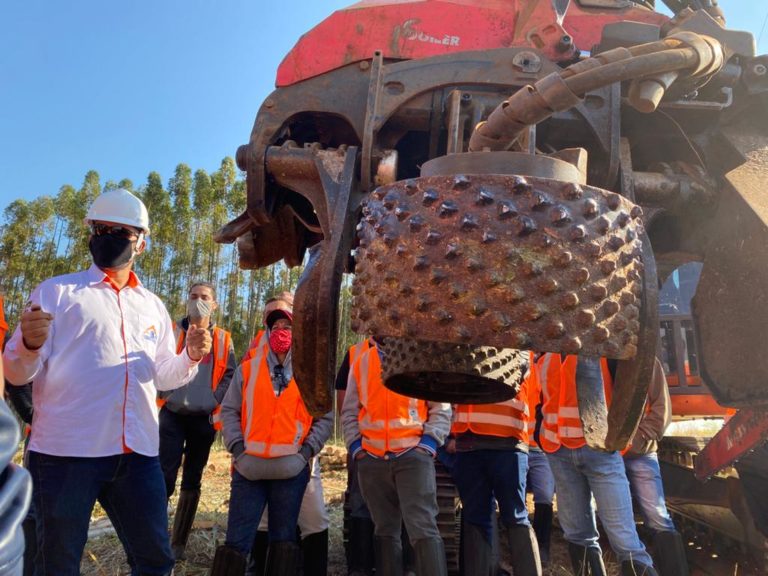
110, 251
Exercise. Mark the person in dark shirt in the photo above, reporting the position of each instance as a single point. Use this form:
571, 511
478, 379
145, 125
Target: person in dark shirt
189, 415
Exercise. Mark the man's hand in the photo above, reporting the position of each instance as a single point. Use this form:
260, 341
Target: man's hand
35, 325
360, 455
198, 342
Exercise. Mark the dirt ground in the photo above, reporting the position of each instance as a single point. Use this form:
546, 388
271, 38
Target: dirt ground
104, 555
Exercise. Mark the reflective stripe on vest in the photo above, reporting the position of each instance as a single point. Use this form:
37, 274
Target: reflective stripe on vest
272, 425
562, 422
389, 422
221, 350
255, 343
503, 419
357, 350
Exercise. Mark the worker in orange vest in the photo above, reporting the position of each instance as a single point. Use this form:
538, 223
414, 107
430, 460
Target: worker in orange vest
581, 472
491, 466
313, 515
394, 440
190, 415
359, 550
272, 437
539, 480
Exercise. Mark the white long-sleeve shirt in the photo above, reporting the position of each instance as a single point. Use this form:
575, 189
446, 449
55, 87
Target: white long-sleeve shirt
97, 374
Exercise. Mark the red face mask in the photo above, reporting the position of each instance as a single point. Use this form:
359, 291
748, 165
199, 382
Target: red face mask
280, 340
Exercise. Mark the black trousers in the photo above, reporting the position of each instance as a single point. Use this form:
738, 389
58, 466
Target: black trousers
187, 435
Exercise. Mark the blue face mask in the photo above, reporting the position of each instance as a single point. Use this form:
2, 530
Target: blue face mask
110, 251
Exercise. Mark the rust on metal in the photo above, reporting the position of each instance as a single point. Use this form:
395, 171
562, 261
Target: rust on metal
455, 373
633, 376
730, 307
544, 285
745, 431
317, 295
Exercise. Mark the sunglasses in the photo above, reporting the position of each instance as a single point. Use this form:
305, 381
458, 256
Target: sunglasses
119, 231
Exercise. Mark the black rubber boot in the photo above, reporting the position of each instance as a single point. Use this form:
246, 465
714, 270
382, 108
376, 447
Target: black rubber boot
477, 551
586, 561
228, 562
282, 559
360, 547
670, 554
524, 551
632, 568
314, 549
257, 559
182, 521
430, 557
542, 525
389, 556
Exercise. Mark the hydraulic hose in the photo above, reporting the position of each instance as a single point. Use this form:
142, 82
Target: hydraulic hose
652, 67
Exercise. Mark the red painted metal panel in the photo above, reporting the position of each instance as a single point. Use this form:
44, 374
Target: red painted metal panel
423, 28
741, 434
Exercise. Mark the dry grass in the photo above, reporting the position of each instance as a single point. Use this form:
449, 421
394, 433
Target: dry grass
104, 555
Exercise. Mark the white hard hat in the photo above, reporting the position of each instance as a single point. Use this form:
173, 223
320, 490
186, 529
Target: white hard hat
121, 207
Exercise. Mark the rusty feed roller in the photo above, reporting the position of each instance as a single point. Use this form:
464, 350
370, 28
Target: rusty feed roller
509, 261
543, 263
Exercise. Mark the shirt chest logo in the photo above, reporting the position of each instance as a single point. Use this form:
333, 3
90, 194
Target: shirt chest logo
150, 334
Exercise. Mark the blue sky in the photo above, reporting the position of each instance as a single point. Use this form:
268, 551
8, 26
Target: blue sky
129, 87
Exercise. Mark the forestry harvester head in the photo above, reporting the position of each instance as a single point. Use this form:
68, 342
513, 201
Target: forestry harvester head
507, 175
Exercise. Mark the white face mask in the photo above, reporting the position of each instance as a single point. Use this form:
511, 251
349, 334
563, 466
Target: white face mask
199, 308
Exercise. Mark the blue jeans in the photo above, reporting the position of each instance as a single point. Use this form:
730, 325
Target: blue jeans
648, 491
247, 500
582, 473
131, 489
540, 479
486, 476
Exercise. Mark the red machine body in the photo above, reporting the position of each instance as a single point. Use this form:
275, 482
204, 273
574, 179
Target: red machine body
415, 29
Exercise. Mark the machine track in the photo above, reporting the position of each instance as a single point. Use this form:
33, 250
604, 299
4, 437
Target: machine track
713, 517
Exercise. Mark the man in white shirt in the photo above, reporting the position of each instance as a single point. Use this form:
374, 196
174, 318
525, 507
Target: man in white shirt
98, 346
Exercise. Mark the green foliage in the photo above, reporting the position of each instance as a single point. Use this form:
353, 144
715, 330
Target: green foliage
47, 237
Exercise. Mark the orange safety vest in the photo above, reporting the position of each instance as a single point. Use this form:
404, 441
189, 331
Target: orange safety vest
562, 423
220, 350
273, 426
251, 352
389, 422
357, 350
533, 400
505, 419
3, 323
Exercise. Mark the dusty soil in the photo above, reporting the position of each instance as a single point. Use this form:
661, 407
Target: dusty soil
104, 555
